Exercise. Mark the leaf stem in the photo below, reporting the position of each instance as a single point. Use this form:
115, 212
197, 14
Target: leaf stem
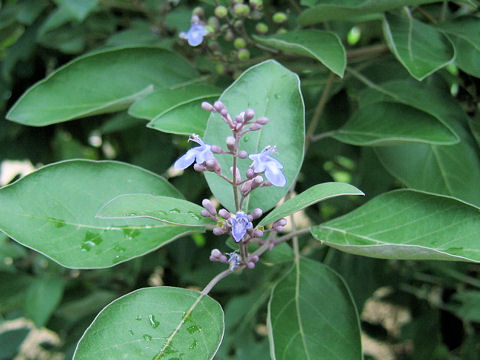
323, 135
215, 281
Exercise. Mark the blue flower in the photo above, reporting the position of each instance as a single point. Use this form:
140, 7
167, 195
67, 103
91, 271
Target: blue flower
195, 34
200, 154
233, 260
239, 223
263, 162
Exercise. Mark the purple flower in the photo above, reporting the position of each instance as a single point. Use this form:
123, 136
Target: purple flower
239, 225
200, 154
233, 260
195, 34
263, 162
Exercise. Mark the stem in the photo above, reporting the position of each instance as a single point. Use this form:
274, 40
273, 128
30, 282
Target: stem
367, 51
234, 176
291, 235
215, 281
319, 109
323, 135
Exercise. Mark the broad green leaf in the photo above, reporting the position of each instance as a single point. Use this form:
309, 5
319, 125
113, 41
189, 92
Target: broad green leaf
311, 315
421, 48
324, 46
163, 208
78, 9
97, 83
309, 197
324, 10
451, 170
388, 123
465, 35
53, 212
273, 91
41, 298
176, 110
156, 323
407, 224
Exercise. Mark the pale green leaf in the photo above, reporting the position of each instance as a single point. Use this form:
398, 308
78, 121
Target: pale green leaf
324, 46
53, 212
388, 123
101, 82
421, 48
156, 323
311, 315
273, 91
162, 208
407, 224
309, 197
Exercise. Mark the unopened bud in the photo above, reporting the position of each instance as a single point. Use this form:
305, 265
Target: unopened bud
249, 114
250, 264
256, 4
208, 107
205, 213
199, 167
261, 28
281, 222
216, 149
224, 214
241, 10
238, 177
262, 121
230, 141
254, 258
257, 181
240, 118
218, 231
279, 228
224, 112
250, 173
258, 233
242, 154
221, 11
243, 54
239, 43
256, 213
246, 187
218, 105
215, 253
254, 127
212, 165
229, 36
279, 18
207, 204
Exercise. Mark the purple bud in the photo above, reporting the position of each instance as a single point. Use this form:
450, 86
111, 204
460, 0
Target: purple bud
256, 213
242, 154
249, 114
199, 167
230, 140
262, 121
223, 259
250, 173
216, 149
281, 222
207, 204
238, 177
254, 258
279, 228
238, 126
258, 233
215, 253
240, 118
212, 165
224, 214
224, 112
250, 265
218, 105
213, 258
218, 231
250, 218
205, 213
246, 187
207, 106
255, 127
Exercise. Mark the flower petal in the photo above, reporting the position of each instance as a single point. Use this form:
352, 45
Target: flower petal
187, 159
275, 175
204, 153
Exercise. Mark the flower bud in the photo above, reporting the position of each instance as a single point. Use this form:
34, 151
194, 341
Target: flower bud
205, 213
239, 43
214, 24
199, 167
220, 68
243, 54
250, 173
241, 10
250, 264
240, 118
256, 213
212, 165
246, 187
238, 177
229, 36
258, 233
207, 204
208, 107
224, 214
261, 28
230, 141
221, 11
262, 120
216, 253
249, 114
281, 222
254, 127
279, 228
256, 4
279, 18
218, 105
224, 112
218, 231
216, 149
254, 258
258, 180
242, 154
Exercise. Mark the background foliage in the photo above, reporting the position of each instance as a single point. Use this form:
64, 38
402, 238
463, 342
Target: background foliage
391, 96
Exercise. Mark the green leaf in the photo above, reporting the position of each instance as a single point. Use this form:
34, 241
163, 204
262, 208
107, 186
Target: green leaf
311, 315
388, 123
451, 170
176, 110
102, 82
41, 299
53, 212
465, 35
324, 46
162, 208
309, 197
78, 9
407, 224
421, 48
155, 323
467, 307
11, 341
272, 91
325, 10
